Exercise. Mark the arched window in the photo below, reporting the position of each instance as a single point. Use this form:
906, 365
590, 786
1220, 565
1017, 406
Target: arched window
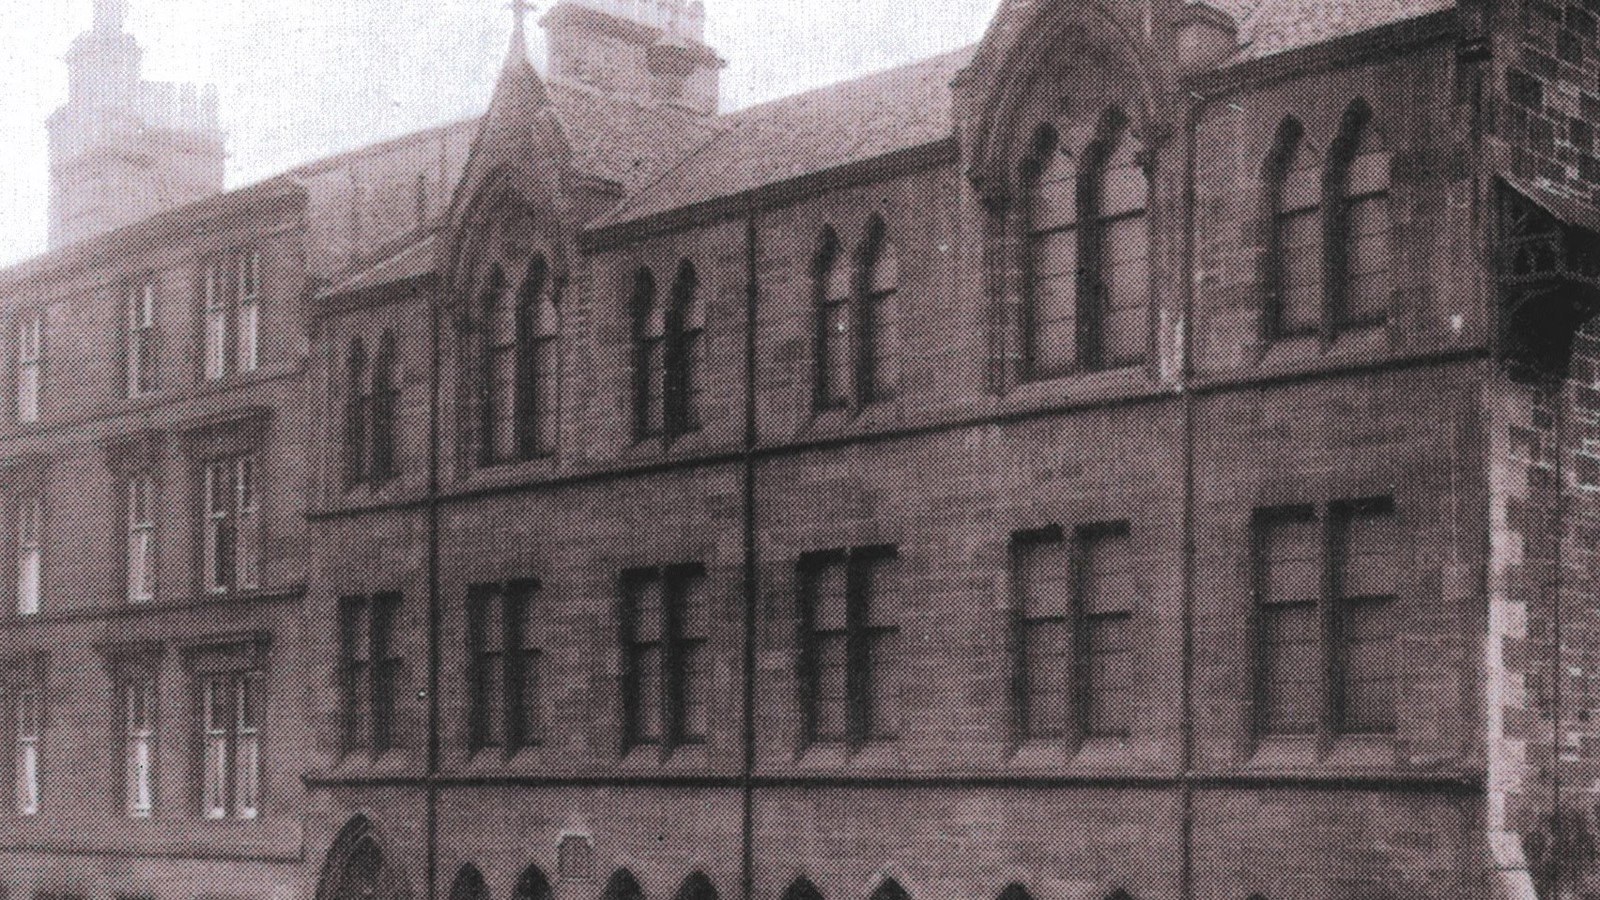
1050, 262
696, 887
832, 290
802, 889
538, 327
356, 401
356, 868
876, 320
1358, 223
890, 890
497, 377
469, 885
385, 398
685, 354
649, 356
1293, 259
1113, 249
623, 886
532, 885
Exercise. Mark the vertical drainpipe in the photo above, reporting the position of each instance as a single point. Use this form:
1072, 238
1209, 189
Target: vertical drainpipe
435, 613
751, 558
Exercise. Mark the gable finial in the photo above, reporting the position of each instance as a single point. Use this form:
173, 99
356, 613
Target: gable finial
519, 12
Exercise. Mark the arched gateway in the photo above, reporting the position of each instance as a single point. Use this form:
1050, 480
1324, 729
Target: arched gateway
357, 868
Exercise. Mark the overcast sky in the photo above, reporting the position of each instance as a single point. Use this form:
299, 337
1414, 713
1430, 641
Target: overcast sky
300, 79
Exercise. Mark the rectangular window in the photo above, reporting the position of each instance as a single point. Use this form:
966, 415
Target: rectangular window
231, 783
1326, 609
141, 339
141, 539
1288, 586
522, 663
665, 625
1364, 628
847, 646
30, 362
30, 553
504, 667
28, 763
249, 344
1108, 598
216, 323
370, 670
139, 750
486, 636
232, 545
1041, 569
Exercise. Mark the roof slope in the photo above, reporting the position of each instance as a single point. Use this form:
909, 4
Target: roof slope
1276, 26
811, 132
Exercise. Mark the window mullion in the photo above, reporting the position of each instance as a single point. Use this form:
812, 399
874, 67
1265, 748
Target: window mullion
1327, 619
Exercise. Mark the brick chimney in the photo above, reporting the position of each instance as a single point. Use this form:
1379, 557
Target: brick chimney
651, 51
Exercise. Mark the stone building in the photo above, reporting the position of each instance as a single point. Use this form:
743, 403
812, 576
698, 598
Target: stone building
1152, 453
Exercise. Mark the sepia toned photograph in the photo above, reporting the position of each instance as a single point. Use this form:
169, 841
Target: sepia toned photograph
800, 450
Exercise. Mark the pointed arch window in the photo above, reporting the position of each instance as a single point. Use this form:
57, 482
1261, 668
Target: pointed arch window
356, 868
538, 323
497, 384
649, 356
685, 354
831, 281
1294, 246
877, 315
802, 889
469, 885
533, 885
623, 886
1358, 223
696, 887
385, 399
1086, 260
890, 890
356, 413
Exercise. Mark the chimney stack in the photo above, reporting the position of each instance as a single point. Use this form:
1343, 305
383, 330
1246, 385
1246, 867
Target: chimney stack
649, 51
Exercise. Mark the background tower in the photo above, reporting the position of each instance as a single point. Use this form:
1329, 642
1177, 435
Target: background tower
123, 149
651, 51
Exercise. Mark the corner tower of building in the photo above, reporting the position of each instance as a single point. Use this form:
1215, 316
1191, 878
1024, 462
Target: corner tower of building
123, 149
652, 51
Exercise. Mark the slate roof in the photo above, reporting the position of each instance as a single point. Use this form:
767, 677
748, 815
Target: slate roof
1275, 26
811, 132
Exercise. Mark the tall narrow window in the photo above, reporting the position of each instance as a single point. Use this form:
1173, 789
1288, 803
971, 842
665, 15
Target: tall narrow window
877, 359
1288, 585
498, 378
503, 667
29, 715
232, 544
248, 352
370, 671
538, 328
685, 348
642, 651
831, 283
688, 663
1042, 591
30, 553
486, 634
847, 646
231, 709
385, 402
1364, 626
1293, 260
1114, 249
139, 747
216, 322
141, 351
357, 408
1358, 224
30, 364
1050, 281
649, 356
1108, 597
141, 538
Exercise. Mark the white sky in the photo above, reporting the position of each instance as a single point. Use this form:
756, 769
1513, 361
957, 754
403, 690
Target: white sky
300, 79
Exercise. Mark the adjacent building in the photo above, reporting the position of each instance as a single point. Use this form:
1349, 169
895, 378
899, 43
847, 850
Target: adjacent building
1148, 454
